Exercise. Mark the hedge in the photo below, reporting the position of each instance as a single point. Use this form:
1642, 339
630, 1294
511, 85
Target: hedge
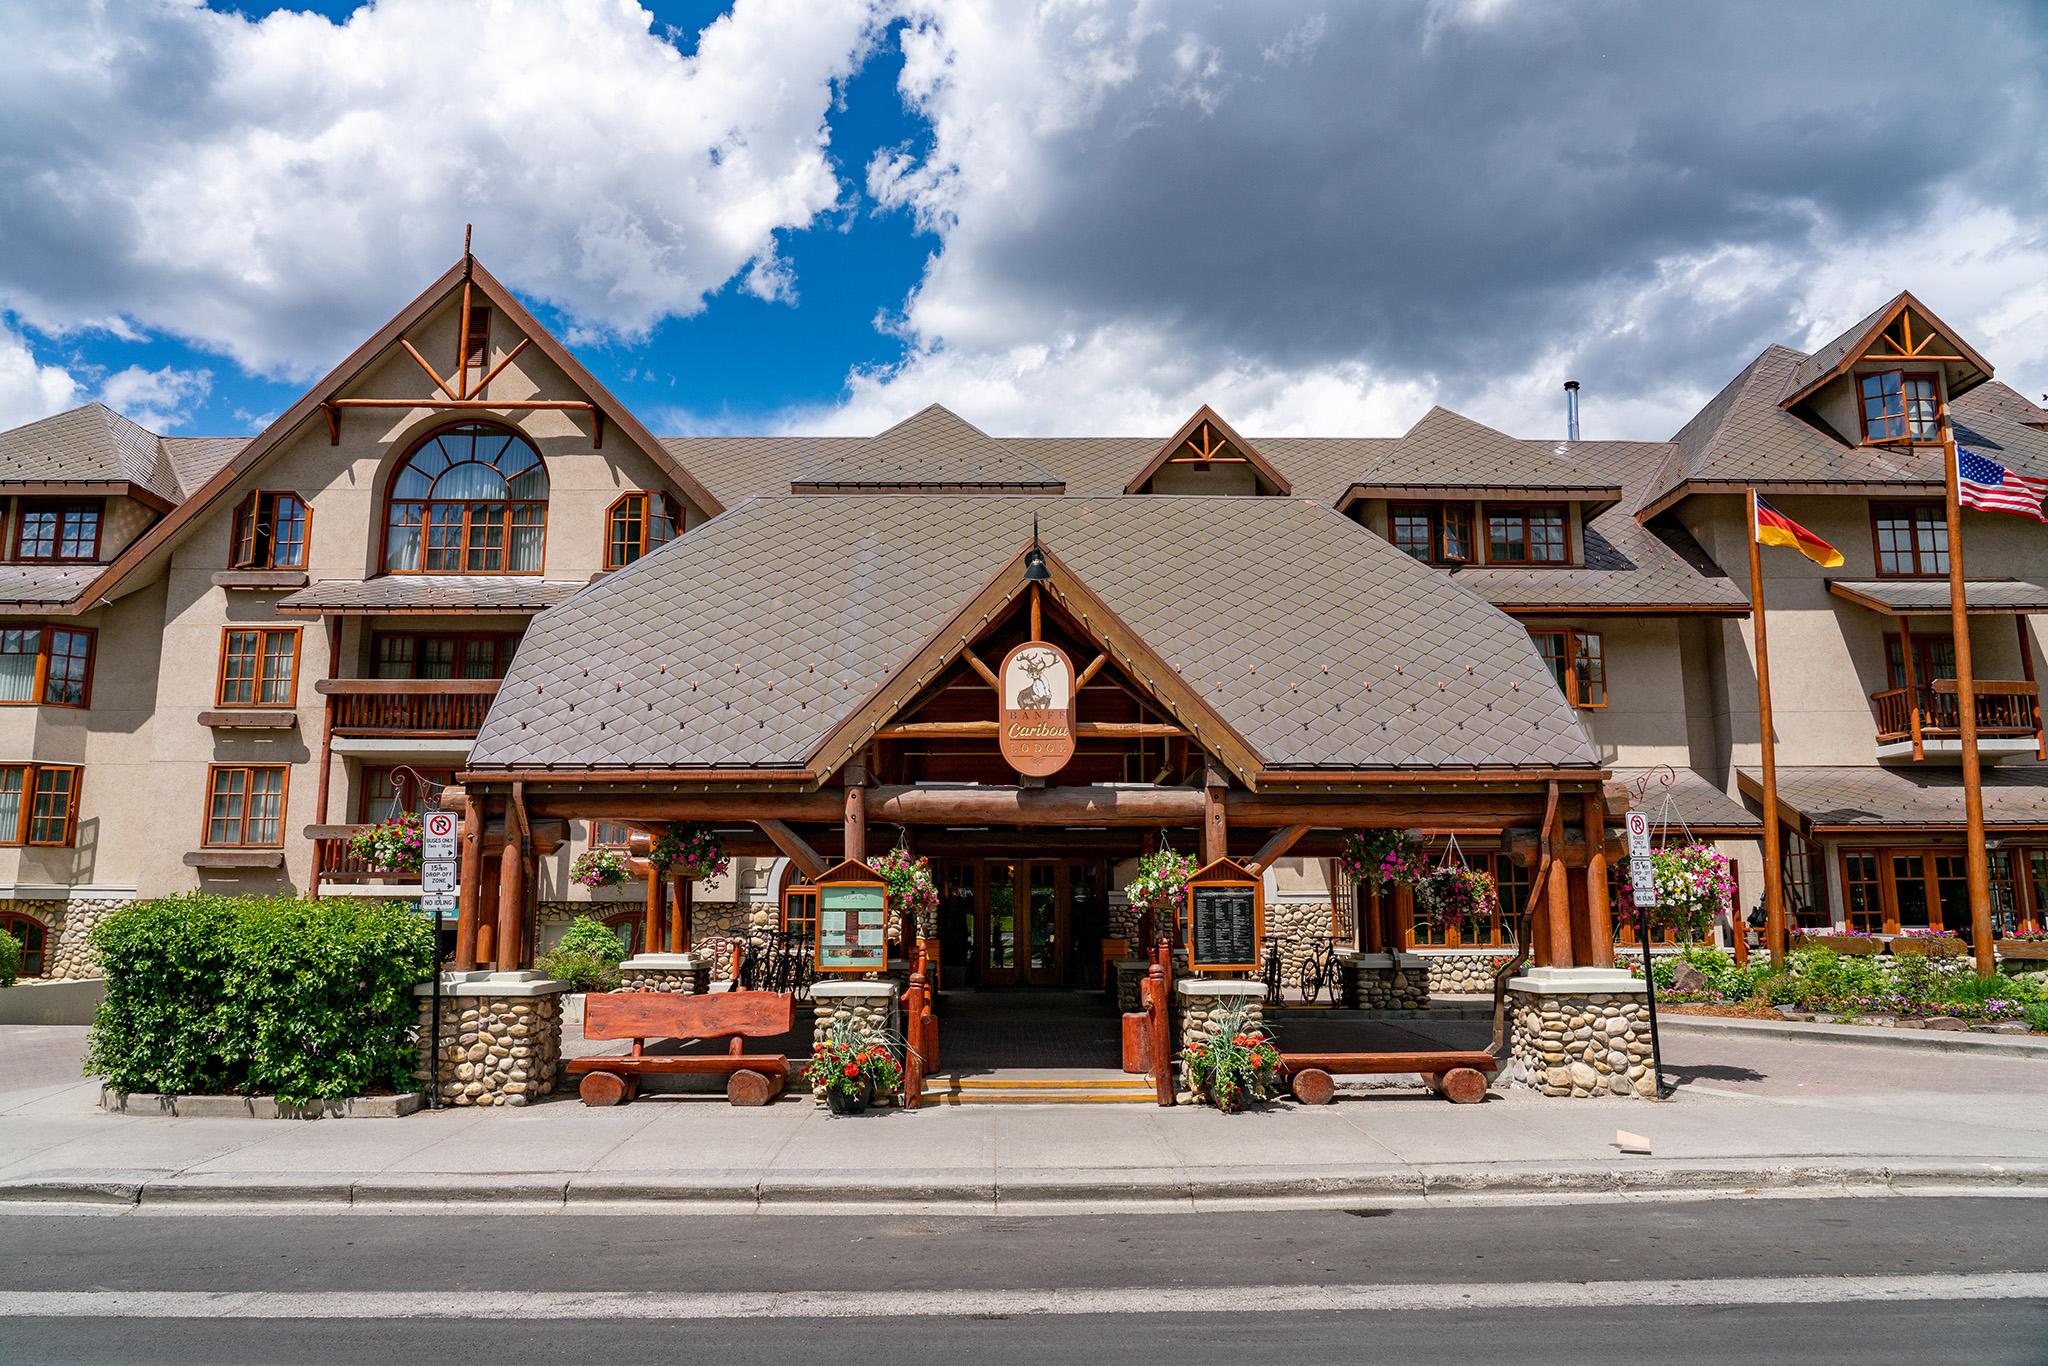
221, 995
10, 959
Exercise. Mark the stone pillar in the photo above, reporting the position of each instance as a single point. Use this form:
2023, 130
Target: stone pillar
501, 1036
1391, 981
685, 974
1581, 1032
869, 1004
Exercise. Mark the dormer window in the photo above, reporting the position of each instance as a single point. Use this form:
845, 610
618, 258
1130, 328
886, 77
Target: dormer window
639, 523
1435, 533
49, 531
1899, 407
270, 532
1527, 535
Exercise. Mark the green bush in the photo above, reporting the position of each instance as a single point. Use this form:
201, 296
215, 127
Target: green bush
218, 995
587, 956
1814, 977
2037, 1017
10, 959
1969, 989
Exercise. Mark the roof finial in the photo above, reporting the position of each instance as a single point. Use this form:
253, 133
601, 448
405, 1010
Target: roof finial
466, 228
1034, 558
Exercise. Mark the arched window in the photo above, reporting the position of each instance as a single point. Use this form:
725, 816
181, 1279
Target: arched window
30, 935
469, 499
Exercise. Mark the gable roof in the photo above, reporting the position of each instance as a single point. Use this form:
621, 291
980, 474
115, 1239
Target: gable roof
781, 617
352, 368
91, 444
1166, 453
933, 448
1837, 356
1447, 450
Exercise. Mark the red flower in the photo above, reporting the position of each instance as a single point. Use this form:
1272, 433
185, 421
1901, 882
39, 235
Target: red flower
851, 1070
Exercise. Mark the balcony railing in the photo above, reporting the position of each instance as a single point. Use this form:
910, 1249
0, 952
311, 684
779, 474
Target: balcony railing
409, 706
2006, 709
333, 861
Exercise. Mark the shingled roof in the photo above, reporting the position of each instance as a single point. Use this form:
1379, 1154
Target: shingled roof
934, 448
1447, 450
91, 444
780, 618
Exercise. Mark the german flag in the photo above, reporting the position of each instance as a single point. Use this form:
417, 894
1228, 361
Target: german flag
1775, 528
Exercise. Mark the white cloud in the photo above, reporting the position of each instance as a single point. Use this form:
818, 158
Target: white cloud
160, 400
28, 388
274, 190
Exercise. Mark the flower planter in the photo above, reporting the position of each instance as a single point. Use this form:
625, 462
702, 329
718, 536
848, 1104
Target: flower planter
845, 1102
2023, 948
1930, 946
1842, 943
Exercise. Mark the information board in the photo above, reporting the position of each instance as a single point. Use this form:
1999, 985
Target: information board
1226, 918
1642, 875
853, 927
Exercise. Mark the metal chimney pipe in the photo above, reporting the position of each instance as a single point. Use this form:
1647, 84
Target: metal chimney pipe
1571, 410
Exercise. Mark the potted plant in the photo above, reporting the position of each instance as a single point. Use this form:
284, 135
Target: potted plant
851, 1066
391, 846
2024, 944
694, 851
595, 868
1383, 858
1927, 944
1450, 895
1235, 1065
1695, 882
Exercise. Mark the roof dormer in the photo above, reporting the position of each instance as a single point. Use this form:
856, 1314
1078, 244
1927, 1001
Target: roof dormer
1208, 456
1885, 381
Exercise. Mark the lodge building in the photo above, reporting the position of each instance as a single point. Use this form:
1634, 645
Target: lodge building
459, 569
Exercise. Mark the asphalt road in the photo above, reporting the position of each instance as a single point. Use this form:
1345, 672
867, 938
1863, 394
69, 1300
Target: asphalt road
1964, 1279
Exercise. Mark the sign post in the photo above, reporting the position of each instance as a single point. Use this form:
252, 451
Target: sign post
1643, 877
439, 900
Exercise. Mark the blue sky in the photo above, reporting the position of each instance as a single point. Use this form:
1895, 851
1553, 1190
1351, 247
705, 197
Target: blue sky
1055, 216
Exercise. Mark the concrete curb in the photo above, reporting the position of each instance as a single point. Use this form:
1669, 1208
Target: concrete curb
1875, 1036
1073, 1191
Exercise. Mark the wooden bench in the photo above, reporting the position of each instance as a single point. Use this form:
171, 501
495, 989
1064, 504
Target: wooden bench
751, 1078
1457, 1076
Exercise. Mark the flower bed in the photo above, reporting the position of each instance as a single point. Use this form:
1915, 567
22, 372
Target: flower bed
1823, 984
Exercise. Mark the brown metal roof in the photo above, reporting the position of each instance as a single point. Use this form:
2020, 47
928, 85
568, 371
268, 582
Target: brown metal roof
1841, 353
745, 642
91, 444
1914, 597
43, 585
933, 448
429, 593
1694, 803
1446, 451
1845, 800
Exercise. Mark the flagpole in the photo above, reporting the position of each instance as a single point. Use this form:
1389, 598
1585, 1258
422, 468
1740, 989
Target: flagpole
1975, 863
1774, 891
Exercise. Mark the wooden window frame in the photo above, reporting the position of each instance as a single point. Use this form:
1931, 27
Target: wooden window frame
9, 922
284, 788
647, 500
408, 777
1496, 933
1879, 508
468, 521
1525, 512
248, 517
64, 507
597, 827
1439, 516
31, 791
220, 680
479, 353
1573, 684
44, 652
2018, 869
1905, 414
505, 641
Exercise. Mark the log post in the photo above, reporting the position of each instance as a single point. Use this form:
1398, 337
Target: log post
511, 898
1215, 826
679, 913
1371, 917
469, 895
1557, 911
856, 778
486, 917
651, 941
1599, 914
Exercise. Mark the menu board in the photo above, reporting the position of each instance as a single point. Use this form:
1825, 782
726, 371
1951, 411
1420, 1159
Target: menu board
853, 927
1223, 925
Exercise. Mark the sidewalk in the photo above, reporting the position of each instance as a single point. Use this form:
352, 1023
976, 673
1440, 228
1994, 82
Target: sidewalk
1752, 1113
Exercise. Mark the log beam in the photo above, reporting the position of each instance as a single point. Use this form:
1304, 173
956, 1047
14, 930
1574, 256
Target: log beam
794, 848
1276, 846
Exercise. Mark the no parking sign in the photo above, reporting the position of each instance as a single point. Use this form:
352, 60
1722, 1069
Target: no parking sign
1639, 870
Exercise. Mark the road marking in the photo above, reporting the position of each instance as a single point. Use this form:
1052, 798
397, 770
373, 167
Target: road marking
872, 1304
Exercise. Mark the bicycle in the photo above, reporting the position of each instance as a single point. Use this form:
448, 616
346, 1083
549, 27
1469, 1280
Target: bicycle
1320, 972
1272, 971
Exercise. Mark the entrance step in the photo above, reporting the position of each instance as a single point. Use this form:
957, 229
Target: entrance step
1037, 1088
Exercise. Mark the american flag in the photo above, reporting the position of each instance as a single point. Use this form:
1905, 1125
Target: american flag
1986, 484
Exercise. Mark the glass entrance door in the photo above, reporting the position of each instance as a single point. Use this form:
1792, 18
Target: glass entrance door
1023, 933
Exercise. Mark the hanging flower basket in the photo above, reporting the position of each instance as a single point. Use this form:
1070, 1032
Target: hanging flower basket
1383, 858
391, 846
910, 884
691, 851
1161, 884
1450, 895
596, 868
1695, 882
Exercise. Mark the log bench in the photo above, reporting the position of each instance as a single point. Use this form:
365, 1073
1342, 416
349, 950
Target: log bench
751, 1078
1458, 1076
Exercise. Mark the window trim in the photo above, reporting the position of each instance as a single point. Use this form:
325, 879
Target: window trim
427, 505
40, 697
647, 498
8, 921
1439, 516
1880, 506
24, 506
1572, 684
1905, 409
479, 353
507, 642
244, 511
220, 676
598, 825
1488, 511
284, 788
31, 786
2018, 870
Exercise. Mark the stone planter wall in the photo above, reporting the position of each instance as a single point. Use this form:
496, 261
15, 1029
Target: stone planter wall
685, 974
1195, 1003
66, 923
870, 1004
1580, 1033
501, 1037
1384, 981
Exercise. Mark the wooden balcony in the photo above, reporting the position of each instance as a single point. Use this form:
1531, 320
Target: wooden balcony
332, 861
1926, 719
404, 707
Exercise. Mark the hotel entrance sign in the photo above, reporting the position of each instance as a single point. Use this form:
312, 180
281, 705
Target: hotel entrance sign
1037, 728
1641, 874
853, 919
1226, 918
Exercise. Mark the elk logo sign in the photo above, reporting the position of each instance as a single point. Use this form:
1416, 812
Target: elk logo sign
1037, 732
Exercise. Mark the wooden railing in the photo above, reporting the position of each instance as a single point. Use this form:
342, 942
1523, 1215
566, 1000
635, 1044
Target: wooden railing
333, 862
408, 706
2005, 708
